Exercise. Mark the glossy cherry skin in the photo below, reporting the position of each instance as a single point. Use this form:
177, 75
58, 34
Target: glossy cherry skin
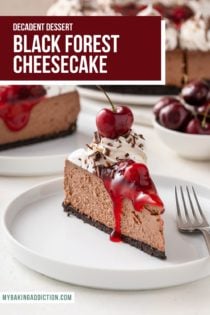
195, 127
204, 111
161, 104
195, 93
112, 124
138, 173
179, 14
174, 116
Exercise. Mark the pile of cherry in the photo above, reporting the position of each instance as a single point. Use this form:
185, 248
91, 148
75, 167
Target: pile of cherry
188, 113
175, 13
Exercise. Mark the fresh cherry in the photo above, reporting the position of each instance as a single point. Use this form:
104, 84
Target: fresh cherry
195, 126
195, 93
204, 111
161, 104
112, 124
174, 116
179, 14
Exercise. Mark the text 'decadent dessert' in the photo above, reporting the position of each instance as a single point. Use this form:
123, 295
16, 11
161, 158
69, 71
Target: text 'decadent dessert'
108, 184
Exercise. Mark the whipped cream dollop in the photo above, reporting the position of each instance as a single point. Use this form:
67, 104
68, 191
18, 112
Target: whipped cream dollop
80, 8
106, 152
195, 34
149, 11
171, 36
125, 2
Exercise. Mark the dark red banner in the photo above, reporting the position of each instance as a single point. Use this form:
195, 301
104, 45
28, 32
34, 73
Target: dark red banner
80, 48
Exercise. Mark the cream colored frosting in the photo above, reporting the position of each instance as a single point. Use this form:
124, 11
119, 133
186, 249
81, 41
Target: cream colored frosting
79, 8
171, 36
125, 2
107, 151
194, 35
149, 11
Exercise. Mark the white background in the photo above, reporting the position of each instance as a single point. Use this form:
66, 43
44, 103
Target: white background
191, 299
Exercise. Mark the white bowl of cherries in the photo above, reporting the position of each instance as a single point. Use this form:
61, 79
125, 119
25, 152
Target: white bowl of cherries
183, 123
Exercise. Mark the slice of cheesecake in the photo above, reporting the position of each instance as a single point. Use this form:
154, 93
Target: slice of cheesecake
35, 113
108, 185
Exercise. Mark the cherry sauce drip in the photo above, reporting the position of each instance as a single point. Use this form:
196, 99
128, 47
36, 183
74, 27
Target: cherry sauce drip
16, 103
128, 180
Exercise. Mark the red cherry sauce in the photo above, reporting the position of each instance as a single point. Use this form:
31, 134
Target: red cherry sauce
177, 14
130, 9
128, 180
16, 103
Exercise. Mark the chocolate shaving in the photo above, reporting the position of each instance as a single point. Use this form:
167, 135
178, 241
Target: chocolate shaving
133, 141
110, 144
107, 152
98, 170
141, 136
87, 145
136, 218
98, 156
97, 137
112, 174
127, 155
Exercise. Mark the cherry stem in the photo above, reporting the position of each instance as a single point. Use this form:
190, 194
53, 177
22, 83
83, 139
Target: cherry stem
107, 96
203, 123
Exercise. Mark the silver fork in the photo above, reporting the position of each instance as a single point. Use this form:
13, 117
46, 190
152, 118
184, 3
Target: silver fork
192, 220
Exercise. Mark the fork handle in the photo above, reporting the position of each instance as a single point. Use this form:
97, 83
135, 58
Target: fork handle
206, 235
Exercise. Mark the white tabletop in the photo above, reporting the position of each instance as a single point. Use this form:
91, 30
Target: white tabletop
189, 299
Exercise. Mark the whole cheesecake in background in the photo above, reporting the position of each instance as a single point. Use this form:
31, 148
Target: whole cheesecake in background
108, 185
35, 113
187, 37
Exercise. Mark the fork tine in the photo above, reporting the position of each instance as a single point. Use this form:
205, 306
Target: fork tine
192, 206
184, 204
179, 216
199, 207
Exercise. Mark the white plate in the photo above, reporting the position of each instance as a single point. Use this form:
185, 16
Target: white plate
48, 157
129, 99
42, 237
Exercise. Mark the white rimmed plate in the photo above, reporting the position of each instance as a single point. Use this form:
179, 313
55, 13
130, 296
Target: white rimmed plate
130, 99
46, 158
43, 238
